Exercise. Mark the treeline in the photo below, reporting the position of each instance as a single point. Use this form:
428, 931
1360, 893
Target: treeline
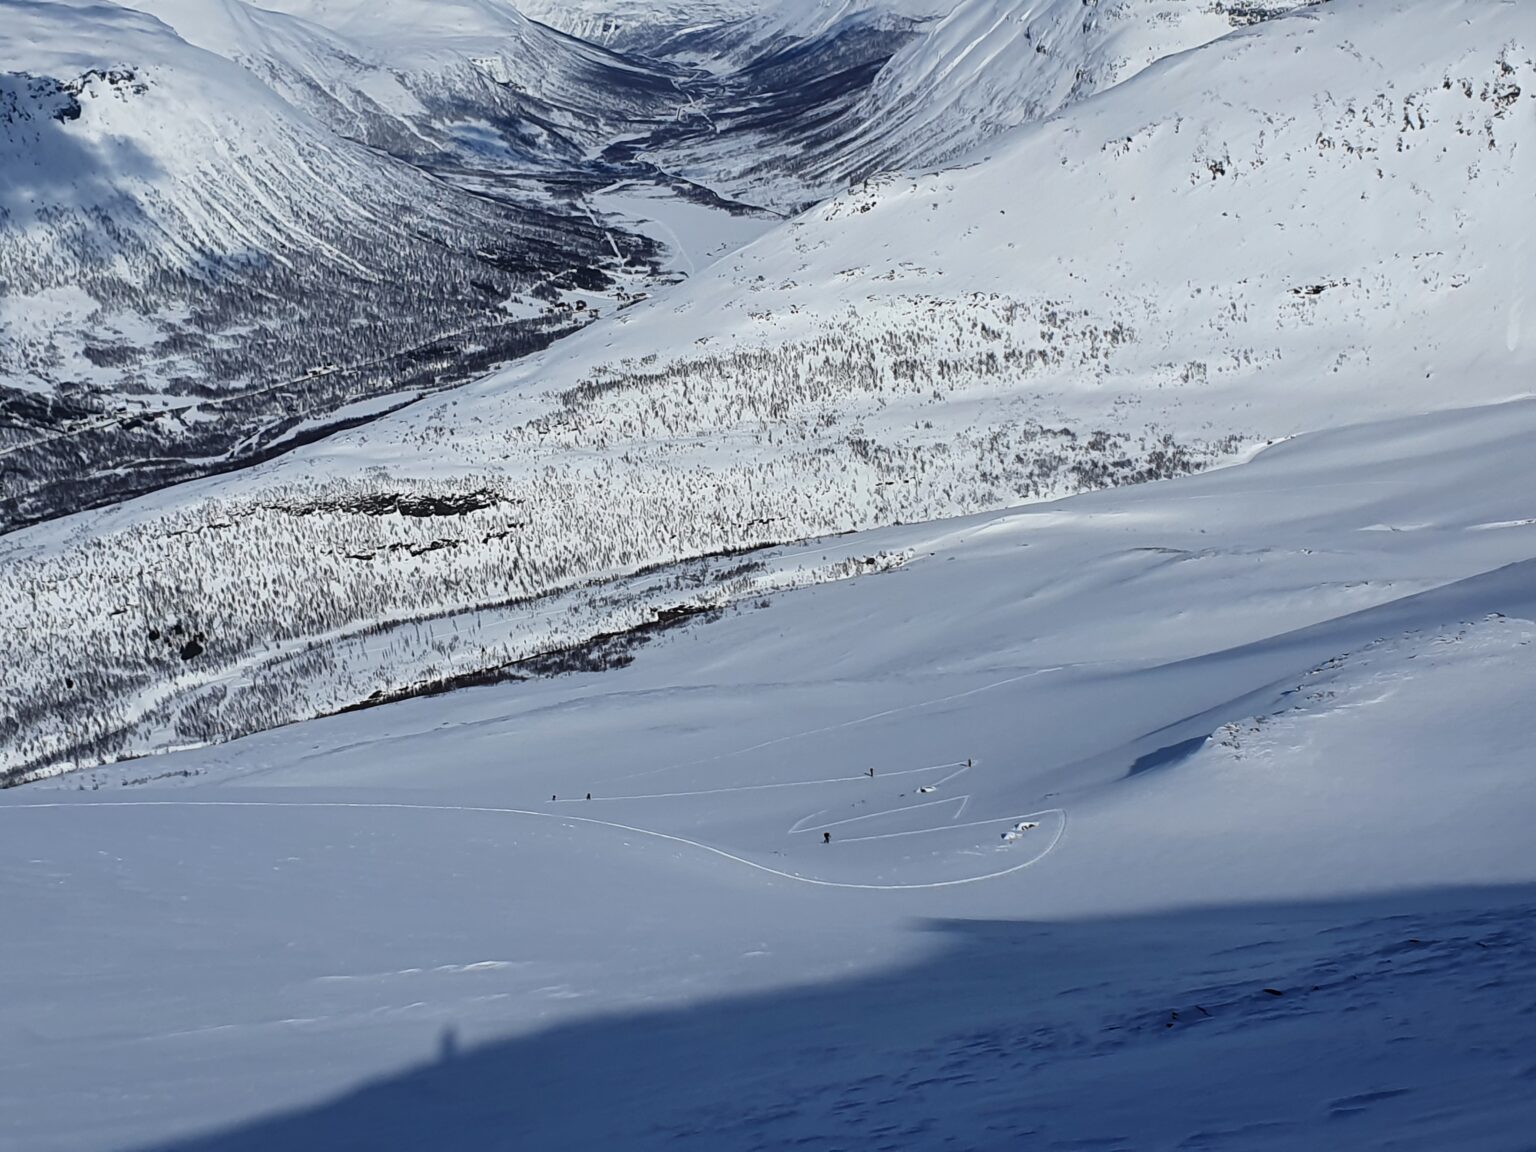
183, 334
235, 612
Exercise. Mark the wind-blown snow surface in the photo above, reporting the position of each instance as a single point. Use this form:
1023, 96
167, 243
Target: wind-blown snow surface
1265, 729
1308, 223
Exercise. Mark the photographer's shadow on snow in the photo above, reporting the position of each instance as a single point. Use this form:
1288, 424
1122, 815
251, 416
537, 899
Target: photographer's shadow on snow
1240, 1027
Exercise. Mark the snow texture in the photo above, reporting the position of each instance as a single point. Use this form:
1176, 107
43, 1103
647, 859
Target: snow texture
1268, 722
1030, 654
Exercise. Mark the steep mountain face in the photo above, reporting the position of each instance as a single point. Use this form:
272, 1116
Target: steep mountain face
467, 78
312, 67
721, 35
1303, 224
655, 29
230, 273
989, 66
985, 67
195, 270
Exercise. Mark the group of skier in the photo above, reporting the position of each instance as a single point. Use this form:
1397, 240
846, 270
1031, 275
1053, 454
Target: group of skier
826, 837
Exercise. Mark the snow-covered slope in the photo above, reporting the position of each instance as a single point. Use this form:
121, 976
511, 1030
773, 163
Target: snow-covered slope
987, 66
313, 67
718, 34
472, 78
1305, 224
194, 267
1264, 729
992, 65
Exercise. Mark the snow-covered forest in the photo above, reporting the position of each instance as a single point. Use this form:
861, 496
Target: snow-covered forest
919, 346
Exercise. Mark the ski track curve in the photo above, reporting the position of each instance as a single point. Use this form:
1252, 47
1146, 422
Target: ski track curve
667, 836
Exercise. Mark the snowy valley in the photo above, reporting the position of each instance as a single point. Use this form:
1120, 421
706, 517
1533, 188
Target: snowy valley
902, 574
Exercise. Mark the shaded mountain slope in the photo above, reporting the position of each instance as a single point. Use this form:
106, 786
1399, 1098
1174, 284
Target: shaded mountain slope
953, 84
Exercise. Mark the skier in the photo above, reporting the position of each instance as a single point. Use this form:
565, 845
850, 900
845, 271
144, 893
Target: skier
826, 837
589, 795
871, 773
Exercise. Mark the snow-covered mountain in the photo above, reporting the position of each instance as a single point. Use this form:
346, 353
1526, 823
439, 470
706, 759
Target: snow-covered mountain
717, 35
985, 67
239, 264
196, 268
469, 77
1210, 255
1060, 620
990, 66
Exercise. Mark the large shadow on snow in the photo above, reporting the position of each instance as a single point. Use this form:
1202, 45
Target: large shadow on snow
1225, 1027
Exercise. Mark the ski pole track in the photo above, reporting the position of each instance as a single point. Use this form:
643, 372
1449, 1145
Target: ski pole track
799, 825
972, 824
374, 805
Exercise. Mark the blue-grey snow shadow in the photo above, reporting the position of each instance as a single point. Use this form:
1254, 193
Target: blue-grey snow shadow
1330, 1024
51, 165
1167, 756
1238, 683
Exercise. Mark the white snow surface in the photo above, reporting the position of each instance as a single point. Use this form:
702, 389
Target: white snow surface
1268, 723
